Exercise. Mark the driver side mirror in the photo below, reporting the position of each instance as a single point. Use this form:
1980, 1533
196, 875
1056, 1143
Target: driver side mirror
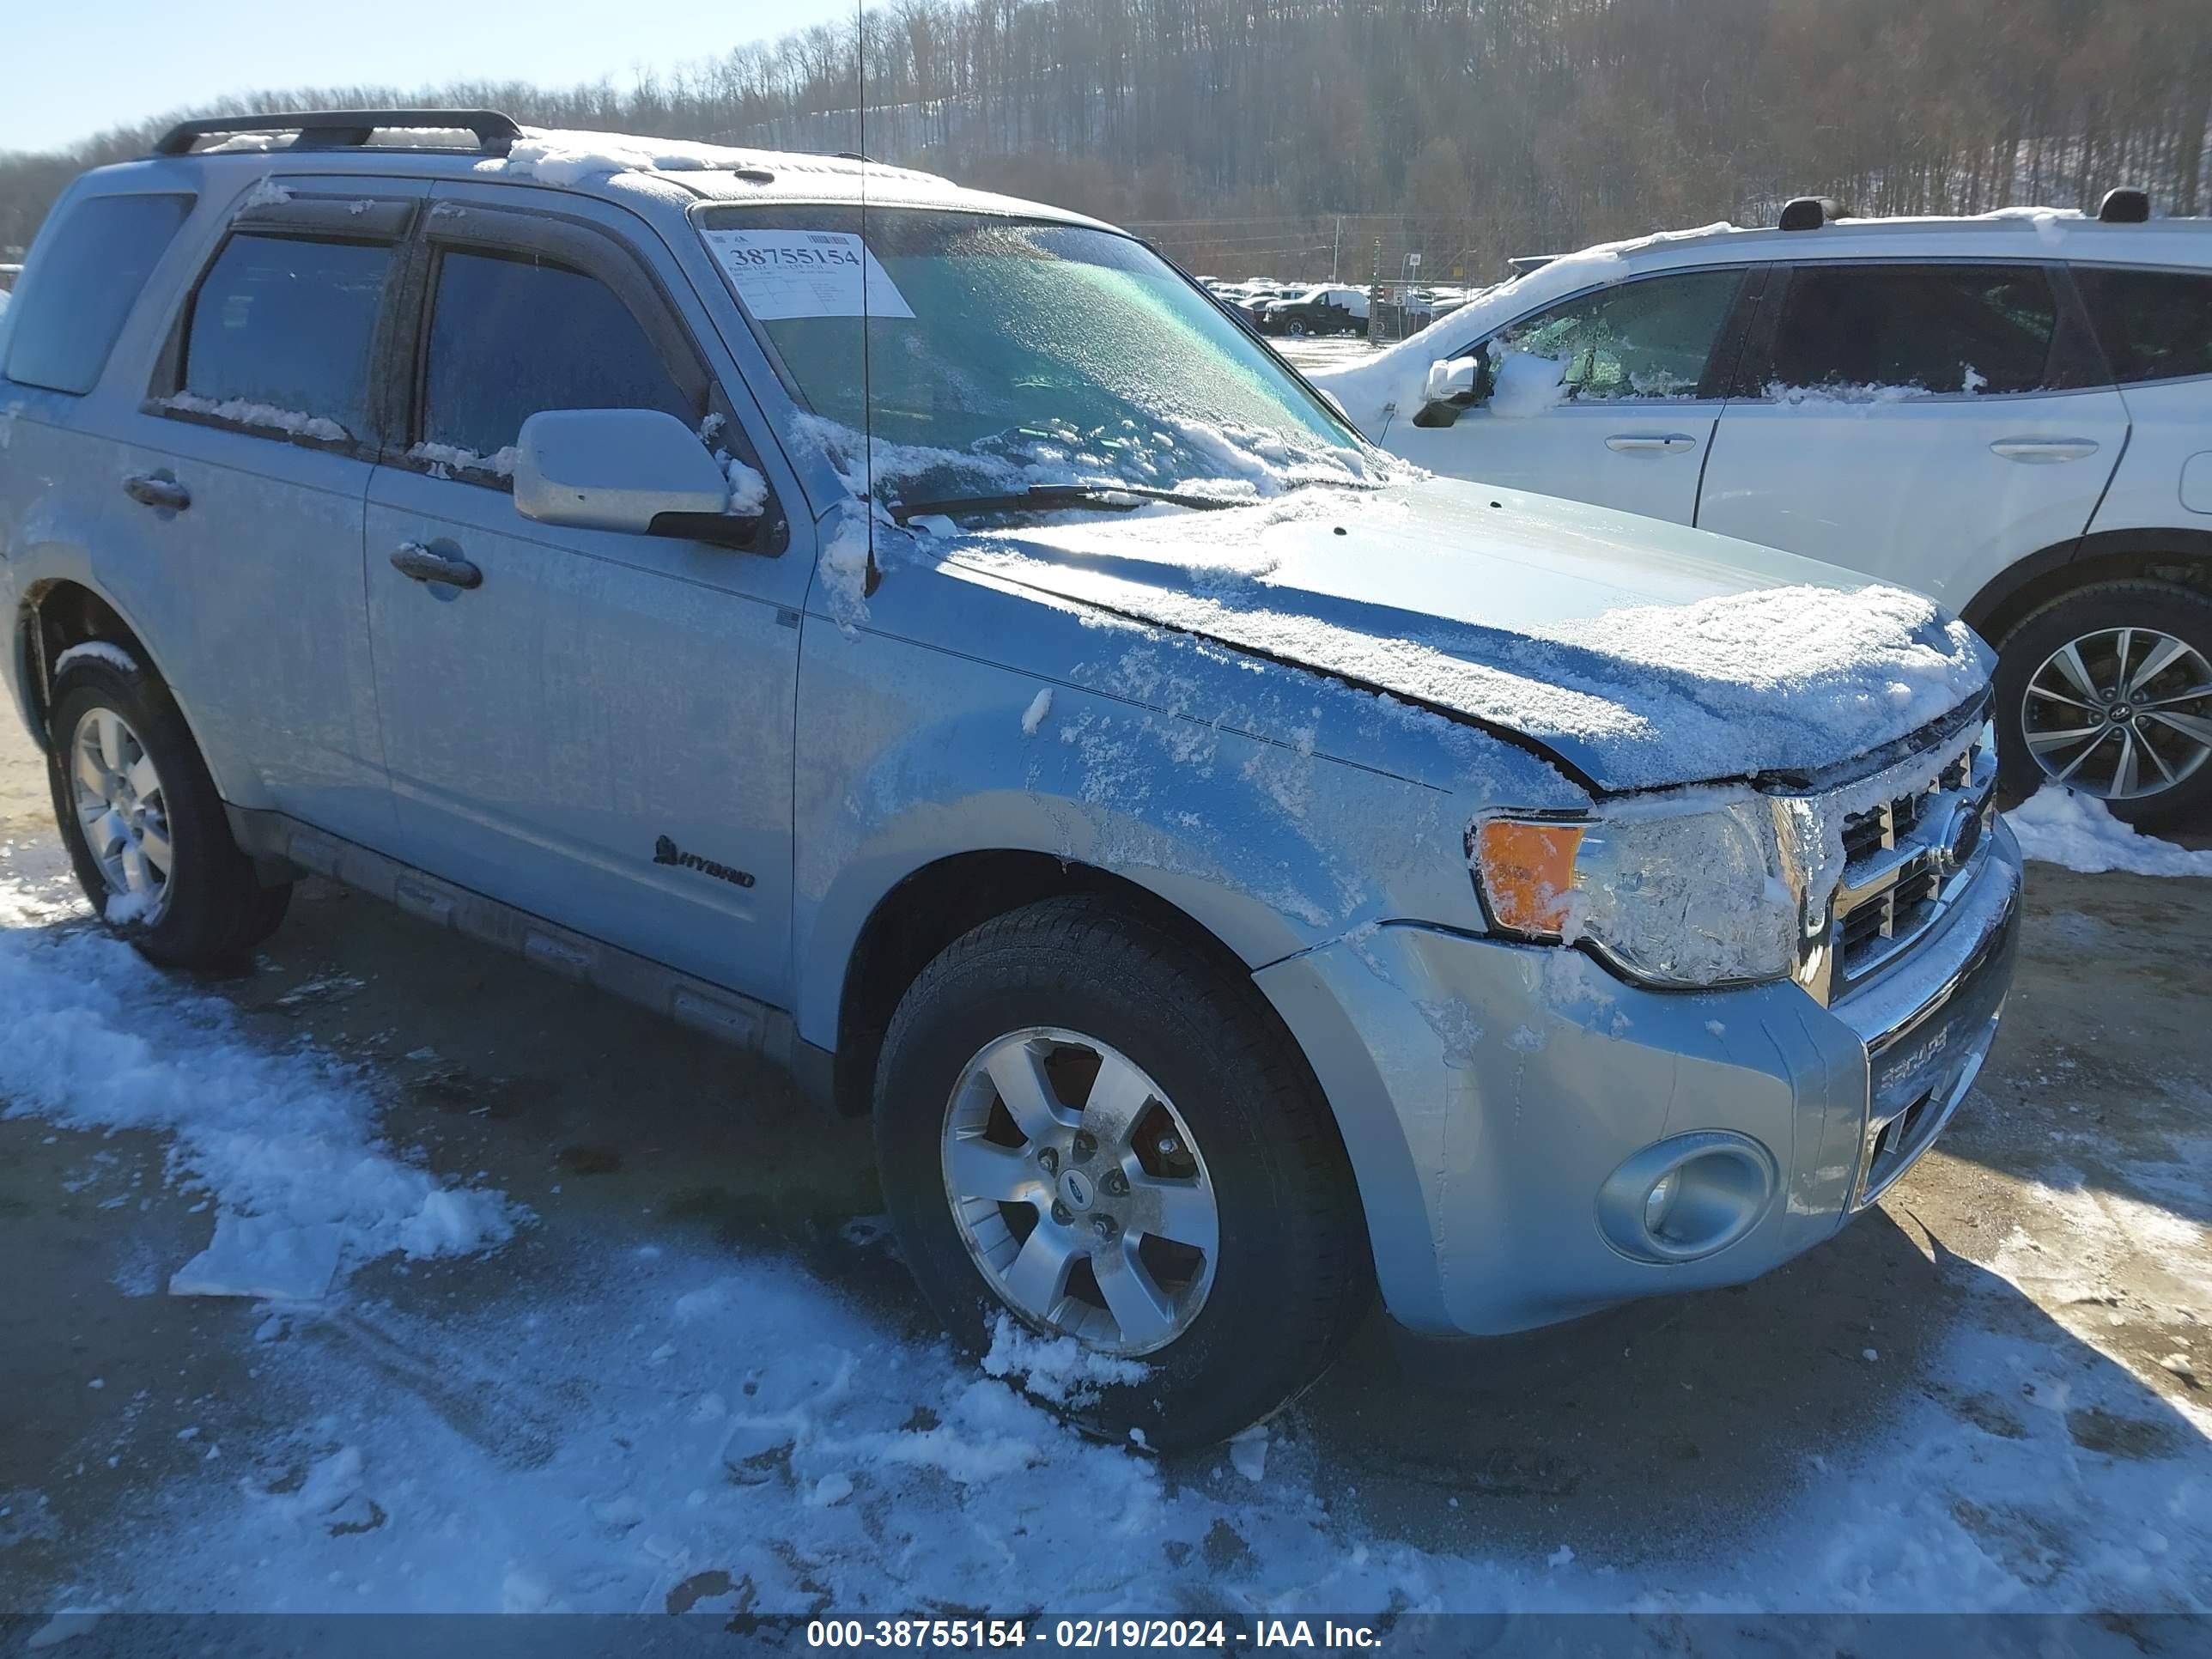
636, 470
1453, 385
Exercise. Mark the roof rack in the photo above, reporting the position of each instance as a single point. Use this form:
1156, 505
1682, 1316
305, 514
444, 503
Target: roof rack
346, 129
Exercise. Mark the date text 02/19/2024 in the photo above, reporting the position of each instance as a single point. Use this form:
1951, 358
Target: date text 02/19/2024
1073, 1635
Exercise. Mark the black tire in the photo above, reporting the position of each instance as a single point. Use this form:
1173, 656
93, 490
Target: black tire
217, 909
1292, 1272
1295, 328
2182, 612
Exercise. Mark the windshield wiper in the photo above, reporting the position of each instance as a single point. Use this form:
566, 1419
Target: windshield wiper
1052, 498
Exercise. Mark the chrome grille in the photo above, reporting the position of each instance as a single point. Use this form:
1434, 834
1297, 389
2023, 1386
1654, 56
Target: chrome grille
1905, 859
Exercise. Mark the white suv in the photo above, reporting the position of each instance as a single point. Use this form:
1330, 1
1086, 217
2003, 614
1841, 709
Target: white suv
2013, 413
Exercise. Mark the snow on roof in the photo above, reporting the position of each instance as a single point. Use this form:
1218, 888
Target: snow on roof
733, 174
557, 156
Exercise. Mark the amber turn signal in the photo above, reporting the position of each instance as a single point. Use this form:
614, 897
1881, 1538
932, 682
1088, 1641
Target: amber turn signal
1527, 873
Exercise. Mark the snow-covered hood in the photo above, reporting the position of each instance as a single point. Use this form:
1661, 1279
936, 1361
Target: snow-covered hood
1638, 652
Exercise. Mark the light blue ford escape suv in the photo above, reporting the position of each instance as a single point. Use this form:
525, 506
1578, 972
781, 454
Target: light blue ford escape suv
1237, 871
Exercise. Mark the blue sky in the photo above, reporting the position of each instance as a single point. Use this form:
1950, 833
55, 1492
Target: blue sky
72, 70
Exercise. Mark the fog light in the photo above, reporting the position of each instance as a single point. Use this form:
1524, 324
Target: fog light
1687, 1197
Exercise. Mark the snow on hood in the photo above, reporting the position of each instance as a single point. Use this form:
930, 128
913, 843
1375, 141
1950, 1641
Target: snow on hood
1394, 377
1641, 653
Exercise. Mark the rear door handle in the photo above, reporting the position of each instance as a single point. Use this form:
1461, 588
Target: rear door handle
1650, 441
419, 563
150, 491
2045, 449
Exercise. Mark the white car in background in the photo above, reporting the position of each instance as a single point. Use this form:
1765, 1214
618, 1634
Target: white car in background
2012, 413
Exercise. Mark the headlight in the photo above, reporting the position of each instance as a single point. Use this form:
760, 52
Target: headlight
1684, 894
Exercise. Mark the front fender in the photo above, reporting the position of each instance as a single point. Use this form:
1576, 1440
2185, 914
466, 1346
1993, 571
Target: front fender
909, 755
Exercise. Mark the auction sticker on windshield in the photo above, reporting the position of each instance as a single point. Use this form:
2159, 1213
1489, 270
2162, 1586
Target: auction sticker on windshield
805, 273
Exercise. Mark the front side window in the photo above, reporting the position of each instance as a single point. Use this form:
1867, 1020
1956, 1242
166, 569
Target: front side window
985, 354
511, 337
2153, 324
281, 335
1648, 339
1883, 331
76, 294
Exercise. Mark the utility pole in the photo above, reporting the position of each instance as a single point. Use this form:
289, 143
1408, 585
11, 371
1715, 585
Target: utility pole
1335, 250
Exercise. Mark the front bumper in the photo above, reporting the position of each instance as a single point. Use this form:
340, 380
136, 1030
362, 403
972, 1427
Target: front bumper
1486, 1091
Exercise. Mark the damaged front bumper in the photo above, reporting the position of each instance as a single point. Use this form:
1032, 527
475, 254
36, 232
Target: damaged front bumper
1510, 1110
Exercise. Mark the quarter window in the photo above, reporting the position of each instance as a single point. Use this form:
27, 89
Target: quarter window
1869, 329
511, 337
281, 335
2153, 324
82, 287
1646, 339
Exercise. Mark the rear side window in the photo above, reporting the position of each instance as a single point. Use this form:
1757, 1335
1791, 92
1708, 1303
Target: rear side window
281, 334
77, 293
2153, 324
1915, 328
511, 337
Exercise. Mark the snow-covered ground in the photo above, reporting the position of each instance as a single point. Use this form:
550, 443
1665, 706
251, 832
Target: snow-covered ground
1314, 355
591, 1413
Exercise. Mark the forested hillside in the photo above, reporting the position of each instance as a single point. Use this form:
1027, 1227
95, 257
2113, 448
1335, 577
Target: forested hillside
1237, 129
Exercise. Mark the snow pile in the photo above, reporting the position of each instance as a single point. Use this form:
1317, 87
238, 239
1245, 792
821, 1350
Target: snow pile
554, 157
1526, 386
248, 413
267, 193
845, 567
1825, 396
284, 1143
747, 489
1058, 1369
2059, 826
441, 458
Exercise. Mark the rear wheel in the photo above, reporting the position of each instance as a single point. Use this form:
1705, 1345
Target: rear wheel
2108, 690
1087, 1130
145, 831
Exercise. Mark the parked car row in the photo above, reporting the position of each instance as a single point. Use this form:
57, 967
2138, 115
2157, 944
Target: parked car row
2012, 413
938, 650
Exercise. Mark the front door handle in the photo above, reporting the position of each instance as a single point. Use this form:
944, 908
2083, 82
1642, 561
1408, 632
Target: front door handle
2033, 450
419, 563
1630, 442
149, 490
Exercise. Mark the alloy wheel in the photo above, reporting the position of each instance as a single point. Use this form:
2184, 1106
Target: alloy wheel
124, 812
2121, 714
1080, 1191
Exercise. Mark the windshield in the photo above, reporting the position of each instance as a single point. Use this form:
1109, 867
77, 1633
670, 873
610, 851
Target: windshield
1004, 352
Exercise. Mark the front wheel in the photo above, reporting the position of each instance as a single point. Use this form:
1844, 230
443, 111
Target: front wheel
2108, 690
1087, 1130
